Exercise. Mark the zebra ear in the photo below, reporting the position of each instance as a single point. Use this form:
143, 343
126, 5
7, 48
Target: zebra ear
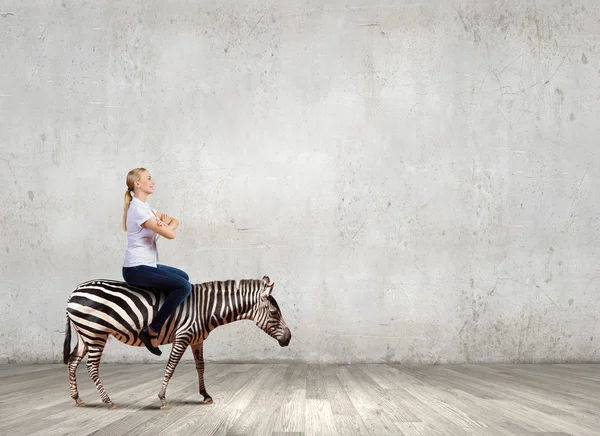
266, 279
267, 290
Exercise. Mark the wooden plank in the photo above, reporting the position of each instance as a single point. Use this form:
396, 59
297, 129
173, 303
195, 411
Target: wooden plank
319, 418
300, 399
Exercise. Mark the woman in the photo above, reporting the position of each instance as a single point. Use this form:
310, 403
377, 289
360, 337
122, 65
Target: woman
141, 268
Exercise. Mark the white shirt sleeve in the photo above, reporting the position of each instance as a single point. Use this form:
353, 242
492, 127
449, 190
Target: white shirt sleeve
140, 215
143, 217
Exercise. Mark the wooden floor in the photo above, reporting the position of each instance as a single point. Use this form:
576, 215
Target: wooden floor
299, 399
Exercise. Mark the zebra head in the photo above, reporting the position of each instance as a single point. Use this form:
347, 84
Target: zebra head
268, 316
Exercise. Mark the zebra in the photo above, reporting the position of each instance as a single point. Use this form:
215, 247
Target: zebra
99, 308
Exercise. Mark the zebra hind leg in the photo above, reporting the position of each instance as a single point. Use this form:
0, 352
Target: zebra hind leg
93, 366
179, 346
75, 357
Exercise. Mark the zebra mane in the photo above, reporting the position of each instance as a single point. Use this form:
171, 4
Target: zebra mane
274, 302
249, 284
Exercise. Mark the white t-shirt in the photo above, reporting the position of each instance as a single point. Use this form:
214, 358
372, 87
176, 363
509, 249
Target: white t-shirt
141, 241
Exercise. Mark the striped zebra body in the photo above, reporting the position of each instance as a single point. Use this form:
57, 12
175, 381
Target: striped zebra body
98, 309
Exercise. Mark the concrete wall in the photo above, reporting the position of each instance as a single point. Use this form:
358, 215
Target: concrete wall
419, 179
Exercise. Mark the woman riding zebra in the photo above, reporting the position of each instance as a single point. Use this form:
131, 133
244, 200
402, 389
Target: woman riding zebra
143, 224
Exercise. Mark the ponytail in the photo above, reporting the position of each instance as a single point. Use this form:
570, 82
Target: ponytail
132, 176
127, 202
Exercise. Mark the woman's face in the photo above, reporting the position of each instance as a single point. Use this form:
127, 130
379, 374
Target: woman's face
146, 183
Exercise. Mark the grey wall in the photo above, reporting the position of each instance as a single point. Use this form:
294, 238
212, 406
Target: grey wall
419, 179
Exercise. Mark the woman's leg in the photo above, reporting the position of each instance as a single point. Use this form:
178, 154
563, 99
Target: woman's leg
177, 288
173, 270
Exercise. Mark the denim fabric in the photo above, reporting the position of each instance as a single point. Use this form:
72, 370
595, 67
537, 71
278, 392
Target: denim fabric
173, 281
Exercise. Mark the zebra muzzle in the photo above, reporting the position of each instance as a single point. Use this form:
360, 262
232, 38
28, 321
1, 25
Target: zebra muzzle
287, 337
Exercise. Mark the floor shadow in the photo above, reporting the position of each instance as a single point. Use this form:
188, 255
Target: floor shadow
187, 402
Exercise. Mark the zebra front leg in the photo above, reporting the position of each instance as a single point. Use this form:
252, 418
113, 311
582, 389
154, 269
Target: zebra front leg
198, 350
75, 357
179, 346
93, 365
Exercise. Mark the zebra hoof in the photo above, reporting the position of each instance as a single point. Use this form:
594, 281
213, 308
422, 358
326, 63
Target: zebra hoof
208, 400
80, 404
111, 406
165, 407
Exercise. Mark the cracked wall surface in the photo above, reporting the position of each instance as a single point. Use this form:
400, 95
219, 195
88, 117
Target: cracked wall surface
420, 179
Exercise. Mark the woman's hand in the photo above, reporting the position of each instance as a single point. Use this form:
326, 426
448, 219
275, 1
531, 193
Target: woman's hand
167, 220
159, 227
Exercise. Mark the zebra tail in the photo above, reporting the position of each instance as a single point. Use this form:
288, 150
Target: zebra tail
67, 346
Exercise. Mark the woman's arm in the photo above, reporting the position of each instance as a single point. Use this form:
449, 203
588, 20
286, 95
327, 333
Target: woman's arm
169, 221
159, 227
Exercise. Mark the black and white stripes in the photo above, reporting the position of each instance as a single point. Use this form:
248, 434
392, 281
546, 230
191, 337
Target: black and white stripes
100, 308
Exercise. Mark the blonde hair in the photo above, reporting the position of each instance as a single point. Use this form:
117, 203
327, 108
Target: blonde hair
132, 176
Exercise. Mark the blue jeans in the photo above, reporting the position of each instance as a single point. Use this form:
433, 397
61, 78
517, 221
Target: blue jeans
173, 281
